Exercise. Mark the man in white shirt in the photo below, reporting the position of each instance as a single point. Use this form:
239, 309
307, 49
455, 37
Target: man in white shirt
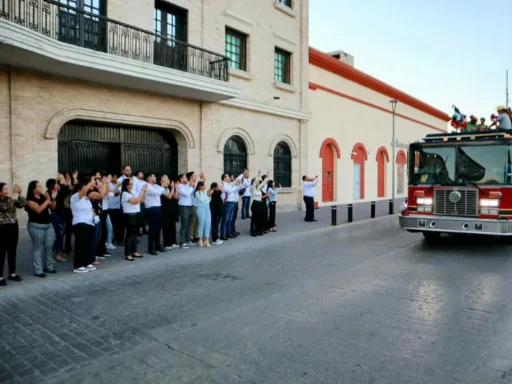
116, 216
137, 183
503, 119
309, 192
153, 210
193, 221
185, 204
230, 194
246, 197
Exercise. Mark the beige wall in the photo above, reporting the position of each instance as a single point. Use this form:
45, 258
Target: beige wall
5, 127
264, 23
355, 122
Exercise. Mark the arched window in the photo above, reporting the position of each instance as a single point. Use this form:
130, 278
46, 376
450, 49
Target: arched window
235, 156
283, 165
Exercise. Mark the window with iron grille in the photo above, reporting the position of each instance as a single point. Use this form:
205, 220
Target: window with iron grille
236, 44
283, 165
288, 3
282, 66
235, 156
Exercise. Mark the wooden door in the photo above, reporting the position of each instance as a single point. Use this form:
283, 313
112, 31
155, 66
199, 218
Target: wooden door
381, 175
328, 177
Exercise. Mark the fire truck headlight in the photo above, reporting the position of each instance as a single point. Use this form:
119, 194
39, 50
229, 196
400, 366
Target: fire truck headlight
489, 203
424, 200
402, 206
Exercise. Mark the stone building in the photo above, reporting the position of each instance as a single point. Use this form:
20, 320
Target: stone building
164, 86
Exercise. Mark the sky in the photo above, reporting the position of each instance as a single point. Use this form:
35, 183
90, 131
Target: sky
443, 52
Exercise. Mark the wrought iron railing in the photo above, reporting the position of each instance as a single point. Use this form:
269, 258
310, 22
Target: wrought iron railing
88, 30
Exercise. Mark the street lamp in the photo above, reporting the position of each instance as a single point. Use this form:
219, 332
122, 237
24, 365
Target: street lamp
392, 203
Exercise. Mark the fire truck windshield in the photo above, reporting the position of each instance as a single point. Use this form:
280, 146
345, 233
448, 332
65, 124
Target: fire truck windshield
460, 165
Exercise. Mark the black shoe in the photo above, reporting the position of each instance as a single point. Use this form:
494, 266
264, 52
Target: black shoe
230, 237
3, 283
153, 253
224, 238
236, 233
48, 271
15, 278
39, 275
163, 250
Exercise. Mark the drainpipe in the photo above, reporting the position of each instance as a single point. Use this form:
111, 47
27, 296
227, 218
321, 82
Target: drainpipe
11, 145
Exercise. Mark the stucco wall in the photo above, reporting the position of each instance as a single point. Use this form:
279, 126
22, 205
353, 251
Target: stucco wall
349, 122
5, 139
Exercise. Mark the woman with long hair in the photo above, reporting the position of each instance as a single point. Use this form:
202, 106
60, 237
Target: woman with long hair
57, 218
40, 228
217, 211
257, 207
131, 217
272, 200
203, 198
9, 232
96, 195
83, 227
170, 214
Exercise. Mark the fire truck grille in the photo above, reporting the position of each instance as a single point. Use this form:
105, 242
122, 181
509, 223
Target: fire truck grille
466, 206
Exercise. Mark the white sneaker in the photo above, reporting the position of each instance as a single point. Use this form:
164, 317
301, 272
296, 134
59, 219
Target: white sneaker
91, 267
110, 246
218, 242
168, 248
100, 258
175, 246
80, 270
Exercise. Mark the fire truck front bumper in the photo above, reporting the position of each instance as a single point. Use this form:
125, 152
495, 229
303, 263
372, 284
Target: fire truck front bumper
444, 224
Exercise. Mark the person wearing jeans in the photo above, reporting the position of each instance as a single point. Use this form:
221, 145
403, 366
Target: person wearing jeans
9, 232
309, 192
203, 198
185, 191
230, 192
40, 228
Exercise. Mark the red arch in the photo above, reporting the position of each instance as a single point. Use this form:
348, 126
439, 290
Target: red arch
382, 158
361, 154
401, 157
386, 154
331, 141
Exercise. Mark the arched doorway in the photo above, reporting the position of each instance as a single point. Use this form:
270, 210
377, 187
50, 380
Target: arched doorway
359, 156
90, 147
401, 162
329, 151
235, 155
382, 159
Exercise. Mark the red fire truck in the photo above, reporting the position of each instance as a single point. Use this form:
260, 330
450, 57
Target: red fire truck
460, 183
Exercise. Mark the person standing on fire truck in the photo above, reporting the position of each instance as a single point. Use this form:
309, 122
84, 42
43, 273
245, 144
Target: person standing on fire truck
482, 126
473, 124
503, 119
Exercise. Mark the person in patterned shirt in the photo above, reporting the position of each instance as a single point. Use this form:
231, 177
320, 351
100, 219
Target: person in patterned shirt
9, 230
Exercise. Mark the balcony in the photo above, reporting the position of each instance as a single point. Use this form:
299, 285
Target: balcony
54, 38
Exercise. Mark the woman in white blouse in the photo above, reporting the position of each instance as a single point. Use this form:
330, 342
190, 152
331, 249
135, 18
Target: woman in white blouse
258, 223
131, 217
83, 227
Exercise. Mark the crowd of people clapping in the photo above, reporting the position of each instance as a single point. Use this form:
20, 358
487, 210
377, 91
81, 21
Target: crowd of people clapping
104, 211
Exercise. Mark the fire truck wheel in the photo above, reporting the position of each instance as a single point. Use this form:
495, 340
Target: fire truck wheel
431, 236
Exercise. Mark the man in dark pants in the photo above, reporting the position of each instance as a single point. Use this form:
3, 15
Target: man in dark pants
234, 232
154, 213
309, 192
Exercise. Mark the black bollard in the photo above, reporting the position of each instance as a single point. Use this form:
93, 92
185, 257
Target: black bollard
334, 215
372, 215
350, 213
391, 209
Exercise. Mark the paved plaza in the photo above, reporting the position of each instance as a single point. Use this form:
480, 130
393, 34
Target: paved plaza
358, 303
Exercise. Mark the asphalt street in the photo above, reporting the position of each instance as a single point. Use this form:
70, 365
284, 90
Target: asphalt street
358, 303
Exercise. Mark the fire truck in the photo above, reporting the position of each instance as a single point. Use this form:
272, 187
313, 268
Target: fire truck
460, 183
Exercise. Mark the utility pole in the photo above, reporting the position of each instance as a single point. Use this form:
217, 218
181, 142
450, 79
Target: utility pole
506, 91
393, 160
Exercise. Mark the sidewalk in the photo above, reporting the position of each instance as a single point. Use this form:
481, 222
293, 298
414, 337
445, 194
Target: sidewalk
288, 223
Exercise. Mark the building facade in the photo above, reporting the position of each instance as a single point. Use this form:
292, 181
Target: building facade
350, 135
164, 86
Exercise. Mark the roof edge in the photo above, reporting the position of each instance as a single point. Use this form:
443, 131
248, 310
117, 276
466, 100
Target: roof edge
331, 64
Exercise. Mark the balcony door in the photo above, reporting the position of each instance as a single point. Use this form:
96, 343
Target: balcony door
78, 26
170, 24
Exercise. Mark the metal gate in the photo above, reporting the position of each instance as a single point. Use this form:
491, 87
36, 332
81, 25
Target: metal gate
91, 147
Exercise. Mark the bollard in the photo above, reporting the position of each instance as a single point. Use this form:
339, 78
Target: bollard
334, 215
372, 215
350, 212
406, 200
391, 209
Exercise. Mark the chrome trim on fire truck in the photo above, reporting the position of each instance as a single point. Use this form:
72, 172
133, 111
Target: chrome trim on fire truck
456, 202
467, 225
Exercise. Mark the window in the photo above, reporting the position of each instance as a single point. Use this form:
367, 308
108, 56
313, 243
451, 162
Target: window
170, 22
288, 3
283, 165
282, 66
80, 29
235, 156
236, 44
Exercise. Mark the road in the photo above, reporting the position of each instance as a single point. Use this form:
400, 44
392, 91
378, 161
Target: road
359, 303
